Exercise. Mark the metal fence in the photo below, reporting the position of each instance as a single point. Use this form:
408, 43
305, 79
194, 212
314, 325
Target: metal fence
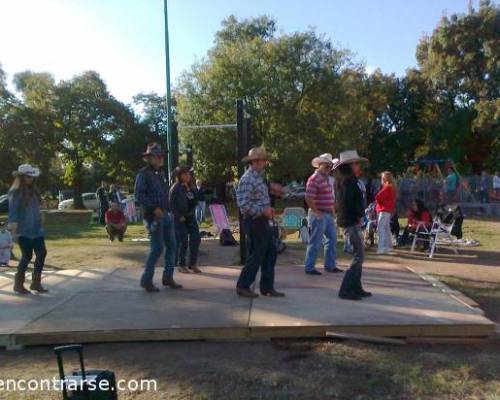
472, 191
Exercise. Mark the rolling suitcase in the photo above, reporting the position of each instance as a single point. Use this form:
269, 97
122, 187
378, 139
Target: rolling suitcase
85, 384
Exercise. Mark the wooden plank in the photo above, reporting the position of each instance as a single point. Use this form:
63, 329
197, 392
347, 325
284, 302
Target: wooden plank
457, 330
179, 334
365, 338
448, 340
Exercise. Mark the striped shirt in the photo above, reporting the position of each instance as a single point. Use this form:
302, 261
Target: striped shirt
320, 190
252, 194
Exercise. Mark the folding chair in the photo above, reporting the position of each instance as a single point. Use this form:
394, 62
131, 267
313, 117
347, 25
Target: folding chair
294, 219
220, 218
439, 231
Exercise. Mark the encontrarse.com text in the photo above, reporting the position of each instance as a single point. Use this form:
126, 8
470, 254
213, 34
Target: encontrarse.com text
55, 384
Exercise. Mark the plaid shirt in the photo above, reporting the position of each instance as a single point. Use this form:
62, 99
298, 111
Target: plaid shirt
252, 194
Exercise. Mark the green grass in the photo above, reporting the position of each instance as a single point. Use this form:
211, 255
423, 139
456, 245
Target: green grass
77, 229
487, 295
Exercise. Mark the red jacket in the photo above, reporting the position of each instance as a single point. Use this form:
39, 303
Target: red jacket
425, 216
114, 217
386, 200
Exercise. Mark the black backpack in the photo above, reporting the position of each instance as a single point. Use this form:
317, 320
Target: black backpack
226, 238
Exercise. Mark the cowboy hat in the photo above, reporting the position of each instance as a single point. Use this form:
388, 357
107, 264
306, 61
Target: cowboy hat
153, 149
256, 153
28, 170
348, 157
322, 159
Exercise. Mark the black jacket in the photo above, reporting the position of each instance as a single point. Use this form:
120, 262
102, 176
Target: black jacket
182, 201
349, 202
151, 191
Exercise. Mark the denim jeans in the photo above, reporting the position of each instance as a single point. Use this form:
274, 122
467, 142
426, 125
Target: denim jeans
261, 252
200, 211
322, 230
352, 278
28, 246
187, 234
384, 232
161, 235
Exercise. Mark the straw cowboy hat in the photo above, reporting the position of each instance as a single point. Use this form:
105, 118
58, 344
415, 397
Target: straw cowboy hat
154, 149
326, 158
256, 153
348, 157
28, 170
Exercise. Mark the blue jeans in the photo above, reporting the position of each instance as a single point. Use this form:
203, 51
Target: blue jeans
351, 284
160, 236
322, 231
261, 253
28, 247
188, 235
200, 211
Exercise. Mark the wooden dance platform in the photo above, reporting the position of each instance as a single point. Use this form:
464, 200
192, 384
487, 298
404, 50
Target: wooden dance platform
86, 306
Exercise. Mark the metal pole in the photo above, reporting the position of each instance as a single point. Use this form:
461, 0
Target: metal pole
169, 139
240, 122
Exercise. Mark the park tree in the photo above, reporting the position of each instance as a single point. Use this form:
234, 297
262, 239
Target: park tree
80, 124
460, 61
9, 157
293, 86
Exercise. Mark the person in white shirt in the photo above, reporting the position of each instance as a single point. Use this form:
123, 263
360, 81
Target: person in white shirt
6, 244
496, 185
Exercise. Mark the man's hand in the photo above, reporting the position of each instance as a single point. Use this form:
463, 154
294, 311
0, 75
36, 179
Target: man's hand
276, 189
268, 212
158, 212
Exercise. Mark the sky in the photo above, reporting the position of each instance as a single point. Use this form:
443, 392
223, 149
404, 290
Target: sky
124, 40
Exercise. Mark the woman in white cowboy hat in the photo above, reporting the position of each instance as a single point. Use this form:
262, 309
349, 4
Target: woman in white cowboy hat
350, 209
25, 223
320, 199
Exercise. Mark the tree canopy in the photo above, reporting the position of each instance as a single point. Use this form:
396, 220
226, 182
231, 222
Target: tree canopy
306, 96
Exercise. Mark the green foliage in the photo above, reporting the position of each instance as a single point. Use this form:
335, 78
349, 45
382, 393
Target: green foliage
461, 64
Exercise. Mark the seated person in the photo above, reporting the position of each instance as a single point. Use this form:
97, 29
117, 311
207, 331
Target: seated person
418, 217
6, 244
116, 224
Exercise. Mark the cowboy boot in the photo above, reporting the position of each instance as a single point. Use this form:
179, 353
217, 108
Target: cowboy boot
36, 283
19, 284
169, 282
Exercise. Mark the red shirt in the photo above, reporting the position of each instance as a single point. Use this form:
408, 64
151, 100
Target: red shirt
386, 200
114, 217
425, 217
320, 189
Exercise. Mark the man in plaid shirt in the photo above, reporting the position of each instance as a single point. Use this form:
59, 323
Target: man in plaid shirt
253, 199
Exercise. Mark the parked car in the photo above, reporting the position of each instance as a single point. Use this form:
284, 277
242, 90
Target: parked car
4, 203
294, 192
89, 202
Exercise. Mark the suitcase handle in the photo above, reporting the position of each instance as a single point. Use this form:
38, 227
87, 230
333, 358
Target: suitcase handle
64, 349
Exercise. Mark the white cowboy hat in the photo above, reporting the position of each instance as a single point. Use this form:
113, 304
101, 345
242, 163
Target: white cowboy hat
28, 170
322, 159
256, 153
348, 157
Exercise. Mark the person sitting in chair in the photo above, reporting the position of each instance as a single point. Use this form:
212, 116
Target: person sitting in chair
419, 219
116, 224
